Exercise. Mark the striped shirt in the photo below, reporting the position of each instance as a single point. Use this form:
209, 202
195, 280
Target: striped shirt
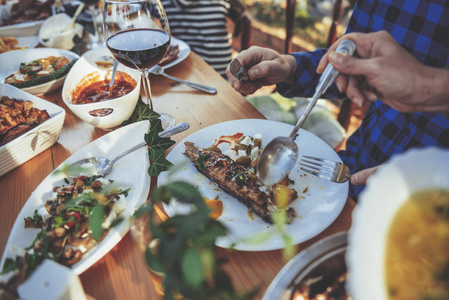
202, 25
422, 28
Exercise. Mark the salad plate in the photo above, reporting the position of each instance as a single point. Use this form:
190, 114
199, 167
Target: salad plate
10, 62
319, 202
129, 172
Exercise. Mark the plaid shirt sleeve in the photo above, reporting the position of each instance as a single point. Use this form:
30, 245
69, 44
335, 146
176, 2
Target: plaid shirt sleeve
422, 28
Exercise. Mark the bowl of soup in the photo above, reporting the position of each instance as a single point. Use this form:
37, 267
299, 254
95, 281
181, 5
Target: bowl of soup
87, 92
398, 244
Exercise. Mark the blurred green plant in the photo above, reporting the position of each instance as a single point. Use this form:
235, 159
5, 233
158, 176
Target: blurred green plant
184, 247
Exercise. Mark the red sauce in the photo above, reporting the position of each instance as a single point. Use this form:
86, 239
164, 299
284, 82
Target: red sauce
99, 91
230, 139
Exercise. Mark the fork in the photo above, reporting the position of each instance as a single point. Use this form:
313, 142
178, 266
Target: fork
325, 169
158, 70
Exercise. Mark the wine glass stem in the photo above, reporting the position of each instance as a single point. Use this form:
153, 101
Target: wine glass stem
146, 86
95, 23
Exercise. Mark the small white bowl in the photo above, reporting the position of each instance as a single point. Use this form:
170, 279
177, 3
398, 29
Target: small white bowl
51, 33
386, 191
119, 109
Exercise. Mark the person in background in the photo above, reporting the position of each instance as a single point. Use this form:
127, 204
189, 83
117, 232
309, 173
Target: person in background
202, 25
421, 27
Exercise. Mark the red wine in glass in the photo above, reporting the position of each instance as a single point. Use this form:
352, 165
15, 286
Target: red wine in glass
140, 48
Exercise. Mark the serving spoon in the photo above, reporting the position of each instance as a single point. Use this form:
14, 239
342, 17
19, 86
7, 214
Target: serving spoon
103, 166
280, 155
105, 62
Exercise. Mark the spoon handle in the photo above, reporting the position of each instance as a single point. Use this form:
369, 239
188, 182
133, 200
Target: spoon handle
114, 70
75, 15
327, 78
163, 134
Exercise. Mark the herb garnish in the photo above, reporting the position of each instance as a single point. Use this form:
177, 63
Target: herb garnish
200, 161
156, 144
240, 179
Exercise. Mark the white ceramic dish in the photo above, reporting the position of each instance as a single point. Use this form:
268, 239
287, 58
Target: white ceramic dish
129, 172
10, 62
22, 29
386, 191
324, 258
17, 30
322, 200
28, 42
38, 139
51, 33
184, 51
122, 107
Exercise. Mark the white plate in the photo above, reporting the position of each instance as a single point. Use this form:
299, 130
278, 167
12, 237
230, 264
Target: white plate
10, 62
322, 203
129, 172
38, 139
403, 175
28, 41
184, 51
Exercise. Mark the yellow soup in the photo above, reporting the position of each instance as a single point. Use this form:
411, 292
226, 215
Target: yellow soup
417, 254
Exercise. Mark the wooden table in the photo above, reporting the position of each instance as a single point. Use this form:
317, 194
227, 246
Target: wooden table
122, 273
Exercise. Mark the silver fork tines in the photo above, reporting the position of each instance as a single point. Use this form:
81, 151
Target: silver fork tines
325, 169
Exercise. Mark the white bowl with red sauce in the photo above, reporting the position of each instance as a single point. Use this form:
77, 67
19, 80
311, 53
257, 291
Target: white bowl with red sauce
91, 107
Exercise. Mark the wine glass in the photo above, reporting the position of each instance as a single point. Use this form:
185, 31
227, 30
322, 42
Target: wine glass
97, 38
138, 35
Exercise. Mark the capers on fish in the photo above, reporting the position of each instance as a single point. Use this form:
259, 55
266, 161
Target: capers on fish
244, 161
257, 143
215, 149
254, 163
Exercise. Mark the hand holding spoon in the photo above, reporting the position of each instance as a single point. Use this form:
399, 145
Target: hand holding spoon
280, 155
103, 166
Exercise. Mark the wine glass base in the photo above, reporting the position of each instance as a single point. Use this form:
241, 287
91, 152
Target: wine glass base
167, 120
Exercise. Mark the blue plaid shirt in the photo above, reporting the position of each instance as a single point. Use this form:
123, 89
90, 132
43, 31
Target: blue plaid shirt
422, 28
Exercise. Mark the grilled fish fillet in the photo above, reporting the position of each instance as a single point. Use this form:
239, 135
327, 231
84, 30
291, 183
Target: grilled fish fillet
234, 179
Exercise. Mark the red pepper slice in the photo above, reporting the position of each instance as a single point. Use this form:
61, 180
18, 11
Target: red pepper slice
75, 214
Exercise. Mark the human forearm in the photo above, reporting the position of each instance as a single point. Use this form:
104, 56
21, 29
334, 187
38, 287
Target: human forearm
305, 78
433, 85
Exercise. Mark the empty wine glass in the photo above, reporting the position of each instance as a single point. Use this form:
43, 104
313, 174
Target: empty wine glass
138, 36
96, 39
